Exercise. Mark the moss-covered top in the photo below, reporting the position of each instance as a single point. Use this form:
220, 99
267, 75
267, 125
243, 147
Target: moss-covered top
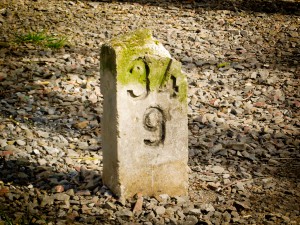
142, 60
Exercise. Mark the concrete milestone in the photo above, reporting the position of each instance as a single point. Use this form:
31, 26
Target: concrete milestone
144, 124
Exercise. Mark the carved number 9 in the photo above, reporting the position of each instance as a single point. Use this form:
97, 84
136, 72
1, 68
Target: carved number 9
154, 121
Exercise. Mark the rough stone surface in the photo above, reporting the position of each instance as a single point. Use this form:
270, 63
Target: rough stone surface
144, 111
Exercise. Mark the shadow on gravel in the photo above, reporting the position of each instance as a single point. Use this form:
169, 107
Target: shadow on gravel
260, 6
29, 79
20, 172
31, 200
272, 166
34, 181
284, 54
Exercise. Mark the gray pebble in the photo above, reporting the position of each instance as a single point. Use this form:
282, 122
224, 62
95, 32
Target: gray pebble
159, 210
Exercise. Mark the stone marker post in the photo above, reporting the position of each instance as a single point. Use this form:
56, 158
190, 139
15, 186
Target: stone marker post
144, 124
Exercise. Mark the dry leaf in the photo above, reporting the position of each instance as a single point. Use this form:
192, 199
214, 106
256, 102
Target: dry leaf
81, 125
259, 104
5, 153
59, 188
139, 203
3, 191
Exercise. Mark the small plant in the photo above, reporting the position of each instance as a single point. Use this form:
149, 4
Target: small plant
5, 219
56, 42
31, 37
41, 38
26, 219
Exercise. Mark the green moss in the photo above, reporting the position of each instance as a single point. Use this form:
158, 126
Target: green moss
138, 62
223, 64
183, 94
181, 82
42, 39
132, 65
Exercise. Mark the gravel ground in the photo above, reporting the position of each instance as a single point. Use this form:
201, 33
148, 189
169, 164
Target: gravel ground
242, 63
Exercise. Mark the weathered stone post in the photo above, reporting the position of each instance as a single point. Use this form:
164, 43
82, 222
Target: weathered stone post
144, 124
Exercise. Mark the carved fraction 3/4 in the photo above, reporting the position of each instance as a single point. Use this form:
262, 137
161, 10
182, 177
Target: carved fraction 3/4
140, 70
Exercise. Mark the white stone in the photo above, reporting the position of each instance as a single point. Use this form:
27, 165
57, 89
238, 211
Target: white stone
3, 143
159, 210
217, 169
145, 133
36, 152
21, 142
51, 150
